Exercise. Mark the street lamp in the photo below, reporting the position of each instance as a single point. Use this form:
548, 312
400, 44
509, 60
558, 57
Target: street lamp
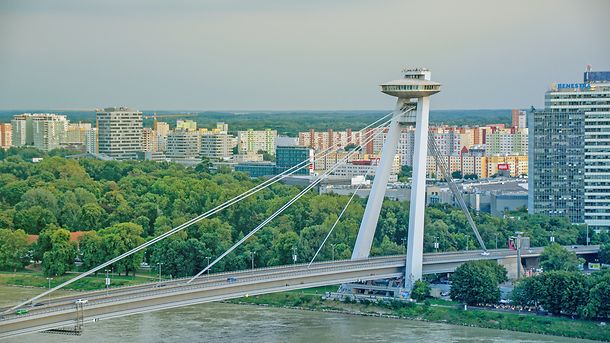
332, 245
159, 264
518, 246
49, 279
294, 255
496, 241
436, 245
107, 280
552, 238
208, 258
252, 253
404, 248
467, 238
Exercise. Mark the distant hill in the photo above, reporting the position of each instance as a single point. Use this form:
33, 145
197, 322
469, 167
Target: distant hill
291, 122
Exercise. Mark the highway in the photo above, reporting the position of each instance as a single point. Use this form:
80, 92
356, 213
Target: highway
122, 301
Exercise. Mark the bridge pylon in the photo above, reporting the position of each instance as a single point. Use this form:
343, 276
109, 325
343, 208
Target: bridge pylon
412, 107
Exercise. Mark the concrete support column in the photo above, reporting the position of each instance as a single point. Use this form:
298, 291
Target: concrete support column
368, 225
415, 240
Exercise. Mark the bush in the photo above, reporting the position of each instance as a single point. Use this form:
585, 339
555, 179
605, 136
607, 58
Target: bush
421, 290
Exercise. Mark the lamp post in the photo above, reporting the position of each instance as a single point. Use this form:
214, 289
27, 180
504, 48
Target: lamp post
496, 241
208, 258
294, 255
333, 250
160, 264
107, 280
404, 248
552, 238
252, 253
518, 246
436, 245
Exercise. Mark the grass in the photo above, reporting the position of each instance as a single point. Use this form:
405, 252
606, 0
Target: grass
441, 311
89, 283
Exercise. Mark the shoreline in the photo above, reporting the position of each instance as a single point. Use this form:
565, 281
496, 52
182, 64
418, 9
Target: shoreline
390, 314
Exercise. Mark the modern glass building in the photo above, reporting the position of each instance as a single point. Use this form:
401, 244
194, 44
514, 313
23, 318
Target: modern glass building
286, 158
569, 151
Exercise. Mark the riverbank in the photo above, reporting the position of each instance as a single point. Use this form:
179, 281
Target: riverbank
438, 311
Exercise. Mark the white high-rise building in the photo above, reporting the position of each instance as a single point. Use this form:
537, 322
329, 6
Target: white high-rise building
119, 132
21, 130
44, 131
91, 141
49, 130
183, 146
217, 144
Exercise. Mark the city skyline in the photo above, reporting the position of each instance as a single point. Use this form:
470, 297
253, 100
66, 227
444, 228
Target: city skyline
288, 55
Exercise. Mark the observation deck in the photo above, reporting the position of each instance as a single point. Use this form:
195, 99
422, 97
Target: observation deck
415, 84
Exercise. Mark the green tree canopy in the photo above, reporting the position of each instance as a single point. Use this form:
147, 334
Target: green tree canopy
556, 257
476, 282
13, 249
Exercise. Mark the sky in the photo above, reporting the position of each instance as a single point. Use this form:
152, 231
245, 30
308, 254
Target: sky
292, 55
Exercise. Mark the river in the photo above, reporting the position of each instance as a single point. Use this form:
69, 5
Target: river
219, 322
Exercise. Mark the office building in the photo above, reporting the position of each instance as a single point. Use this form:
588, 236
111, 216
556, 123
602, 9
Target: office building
5, 135
289, 156
569, 150
119, 132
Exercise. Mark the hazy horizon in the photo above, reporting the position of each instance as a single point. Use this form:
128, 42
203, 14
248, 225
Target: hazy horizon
268, 55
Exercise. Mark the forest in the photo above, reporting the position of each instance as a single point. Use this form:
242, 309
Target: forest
119, 205
291, 122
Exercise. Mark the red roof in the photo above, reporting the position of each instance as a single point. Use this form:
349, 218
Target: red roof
74, 236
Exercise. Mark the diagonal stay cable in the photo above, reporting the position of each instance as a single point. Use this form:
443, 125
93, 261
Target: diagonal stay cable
456, 192
208, 213
285, 206
338, 218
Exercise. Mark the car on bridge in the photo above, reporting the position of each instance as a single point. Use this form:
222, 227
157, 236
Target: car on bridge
231, 279
21, 312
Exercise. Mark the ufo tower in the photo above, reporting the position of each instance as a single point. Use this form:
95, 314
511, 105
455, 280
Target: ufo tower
412, 108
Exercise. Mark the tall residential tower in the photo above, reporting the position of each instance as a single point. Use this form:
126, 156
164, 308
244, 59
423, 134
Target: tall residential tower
119, 132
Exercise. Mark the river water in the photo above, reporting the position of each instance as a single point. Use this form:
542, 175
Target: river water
218, 322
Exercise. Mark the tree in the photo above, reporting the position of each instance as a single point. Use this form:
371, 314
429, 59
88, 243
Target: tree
421, 290
598, 304
59, 253
476, 282
456, 174
119, 239
13, 249
91, 250
34, 219
556, 257
604, 253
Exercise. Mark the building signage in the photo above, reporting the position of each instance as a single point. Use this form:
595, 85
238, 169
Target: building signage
573, 85
503, 166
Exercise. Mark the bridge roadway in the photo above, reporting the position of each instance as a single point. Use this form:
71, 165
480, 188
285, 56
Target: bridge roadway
123, 301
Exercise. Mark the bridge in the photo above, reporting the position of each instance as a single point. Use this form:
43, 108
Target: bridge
154, 296
34, 315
